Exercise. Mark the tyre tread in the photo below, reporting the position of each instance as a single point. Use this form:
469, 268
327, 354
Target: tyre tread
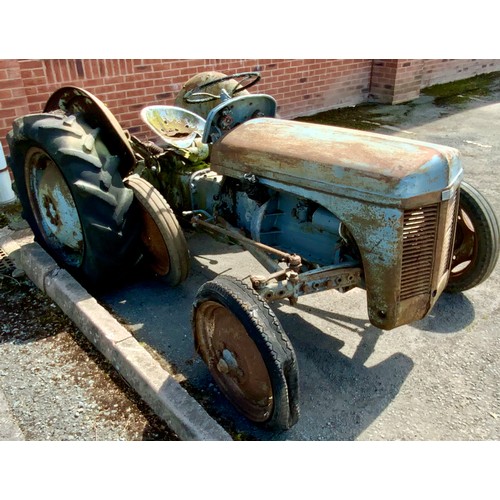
65, 139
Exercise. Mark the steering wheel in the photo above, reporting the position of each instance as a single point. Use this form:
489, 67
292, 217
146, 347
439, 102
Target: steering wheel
195, 95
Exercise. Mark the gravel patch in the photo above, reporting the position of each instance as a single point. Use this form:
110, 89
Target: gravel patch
56, 384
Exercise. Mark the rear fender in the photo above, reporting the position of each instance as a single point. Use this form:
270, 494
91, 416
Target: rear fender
77, 101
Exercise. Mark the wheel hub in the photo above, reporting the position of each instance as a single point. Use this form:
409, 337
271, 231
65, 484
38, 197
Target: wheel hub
154, 243
465, 251
234, 360
228, 365
54, 207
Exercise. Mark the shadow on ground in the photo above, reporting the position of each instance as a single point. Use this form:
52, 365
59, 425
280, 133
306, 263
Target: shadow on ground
340, 396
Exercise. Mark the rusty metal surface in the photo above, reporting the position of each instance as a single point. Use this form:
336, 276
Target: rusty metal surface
378, 232
54, 207
418, 252
336, 160
154, 242
369, 181
233, 112
291, 285
174, 125
233, 360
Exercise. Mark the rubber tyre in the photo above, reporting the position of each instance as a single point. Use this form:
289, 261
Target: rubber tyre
265, 332
109, 225
165, 251
485, 241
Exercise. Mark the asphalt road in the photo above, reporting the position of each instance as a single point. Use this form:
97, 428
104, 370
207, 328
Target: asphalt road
437, 379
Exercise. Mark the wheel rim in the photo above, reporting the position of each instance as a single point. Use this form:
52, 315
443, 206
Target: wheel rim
465, 248
234, 360
54, 207
153, 241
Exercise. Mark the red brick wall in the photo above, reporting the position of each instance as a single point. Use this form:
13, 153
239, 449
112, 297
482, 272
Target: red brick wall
396, 80
448, 70
300, 86
12, 96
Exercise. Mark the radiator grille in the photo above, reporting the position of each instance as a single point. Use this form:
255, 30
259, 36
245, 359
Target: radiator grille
419, 238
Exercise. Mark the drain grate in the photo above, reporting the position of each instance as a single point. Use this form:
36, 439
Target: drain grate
6, 264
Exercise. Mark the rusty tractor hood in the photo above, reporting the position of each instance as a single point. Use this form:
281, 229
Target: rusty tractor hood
357, 164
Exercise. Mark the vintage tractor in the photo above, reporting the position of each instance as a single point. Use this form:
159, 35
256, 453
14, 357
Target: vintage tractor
321, 207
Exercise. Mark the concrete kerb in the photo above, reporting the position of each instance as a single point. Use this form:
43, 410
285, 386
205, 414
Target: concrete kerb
183, 414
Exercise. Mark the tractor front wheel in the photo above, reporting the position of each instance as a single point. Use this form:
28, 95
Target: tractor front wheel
475, 251
247, 352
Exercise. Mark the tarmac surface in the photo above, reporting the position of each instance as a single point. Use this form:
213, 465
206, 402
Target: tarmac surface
437, 379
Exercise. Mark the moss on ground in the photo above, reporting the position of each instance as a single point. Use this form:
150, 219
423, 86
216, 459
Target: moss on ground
369, 116
463, 90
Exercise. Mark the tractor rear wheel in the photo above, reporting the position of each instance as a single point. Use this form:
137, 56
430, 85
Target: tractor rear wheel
247, 352
73, 196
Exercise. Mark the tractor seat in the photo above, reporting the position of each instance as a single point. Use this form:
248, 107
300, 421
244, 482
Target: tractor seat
176, 126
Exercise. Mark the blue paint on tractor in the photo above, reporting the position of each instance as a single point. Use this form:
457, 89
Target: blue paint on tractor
368, 182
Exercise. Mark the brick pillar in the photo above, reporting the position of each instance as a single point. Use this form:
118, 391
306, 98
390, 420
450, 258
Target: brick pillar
395, 81
13, 101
